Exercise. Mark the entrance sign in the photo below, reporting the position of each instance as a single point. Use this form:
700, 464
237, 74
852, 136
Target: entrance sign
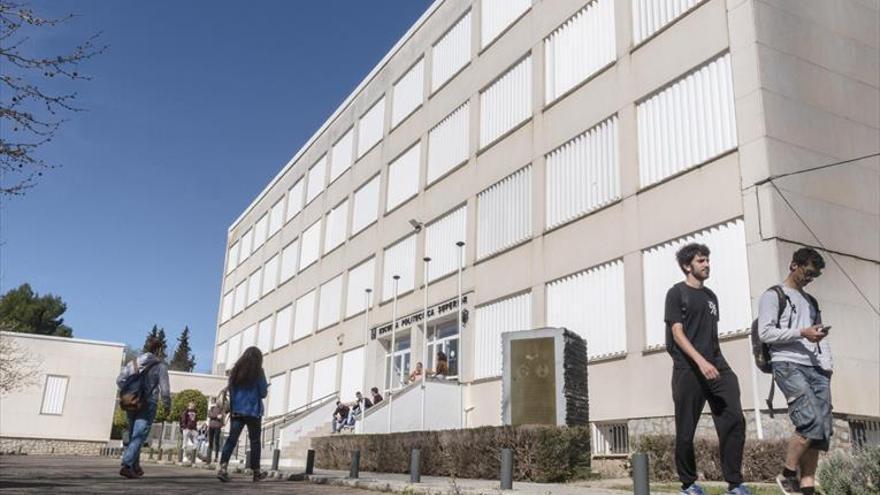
442, 309
544, 378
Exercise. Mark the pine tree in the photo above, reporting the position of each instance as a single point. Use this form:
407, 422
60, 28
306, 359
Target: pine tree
183, 359
163, 350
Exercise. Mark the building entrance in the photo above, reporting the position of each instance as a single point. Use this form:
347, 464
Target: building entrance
444, 337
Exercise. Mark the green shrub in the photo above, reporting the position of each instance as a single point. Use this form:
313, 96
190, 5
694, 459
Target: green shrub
842, 474
762, 459
541, 453
181, 399
120, 423
161, 413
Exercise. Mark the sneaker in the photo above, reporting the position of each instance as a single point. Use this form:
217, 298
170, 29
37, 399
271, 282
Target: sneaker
788, 485
260, 476
222, 475
694, 489
739, 490
127, 472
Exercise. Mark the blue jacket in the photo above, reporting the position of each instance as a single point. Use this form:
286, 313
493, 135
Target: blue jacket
248, 400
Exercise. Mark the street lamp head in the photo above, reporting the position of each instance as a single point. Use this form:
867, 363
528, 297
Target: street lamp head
416, 225
459, 243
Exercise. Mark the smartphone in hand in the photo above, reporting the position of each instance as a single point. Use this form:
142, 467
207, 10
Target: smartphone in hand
826, 329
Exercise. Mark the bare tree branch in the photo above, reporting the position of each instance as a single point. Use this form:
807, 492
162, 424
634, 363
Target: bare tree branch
29, 114
19, 369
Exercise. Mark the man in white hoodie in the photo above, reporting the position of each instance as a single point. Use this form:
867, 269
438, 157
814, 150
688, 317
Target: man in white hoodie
801, 360
156, 385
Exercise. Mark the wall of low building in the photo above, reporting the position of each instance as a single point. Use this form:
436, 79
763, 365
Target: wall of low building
49, 446
210, 385
86, 413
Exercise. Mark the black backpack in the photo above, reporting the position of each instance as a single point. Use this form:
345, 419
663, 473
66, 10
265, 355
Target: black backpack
133, 394
761, 351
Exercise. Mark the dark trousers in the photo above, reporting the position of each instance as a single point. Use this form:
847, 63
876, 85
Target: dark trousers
690, 392
213, 441
253, 427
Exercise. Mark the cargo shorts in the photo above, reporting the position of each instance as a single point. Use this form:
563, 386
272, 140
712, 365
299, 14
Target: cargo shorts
808, 392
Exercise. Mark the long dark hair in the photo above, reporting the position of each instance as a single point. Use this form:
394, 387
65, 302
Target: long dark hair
248, 368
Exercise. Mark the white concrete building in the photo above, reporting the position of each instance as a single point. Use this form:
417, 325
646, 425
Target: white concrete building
209, 385
572, 146
69, 407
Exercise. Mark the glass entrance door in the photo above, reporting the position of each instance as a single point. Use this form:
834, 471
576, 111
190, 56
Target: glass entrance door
444, 337
398, 374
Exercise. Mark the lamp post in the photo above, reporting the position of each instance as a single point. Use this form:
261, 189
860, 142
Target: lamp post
363, 422
460, 370
427, 260
393, 343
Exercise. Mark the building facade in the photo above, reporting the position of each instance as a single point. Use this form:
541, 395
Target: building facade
68, 407
571, 146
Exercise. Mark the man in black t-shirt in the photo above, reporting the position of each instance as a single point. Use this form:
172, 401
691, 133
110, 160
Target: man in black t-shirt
700, 374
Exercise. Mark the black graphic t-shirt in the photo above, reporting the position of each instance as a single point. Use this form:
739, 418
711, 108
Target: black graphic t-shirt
697, 310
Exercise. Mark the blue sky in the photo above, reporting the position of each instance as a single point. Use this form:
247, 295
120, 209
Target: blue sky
194, 107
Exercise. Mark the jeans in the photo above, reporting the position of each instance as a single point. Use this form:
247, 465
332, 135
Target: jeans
690, 392
808, 392
139, 425
213, 441
189, 443
253, 427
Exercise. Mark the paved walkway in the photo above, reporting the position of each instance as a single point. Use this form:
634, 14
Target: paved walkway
51, 474
440, 485
436, 485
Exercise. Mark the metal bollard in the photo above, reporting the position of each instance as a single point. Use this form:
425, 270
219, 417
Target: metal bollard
180, 454
276, 456
160, 453
310, 462
640, 474
507, 469
355, 464
415, 466
150, 454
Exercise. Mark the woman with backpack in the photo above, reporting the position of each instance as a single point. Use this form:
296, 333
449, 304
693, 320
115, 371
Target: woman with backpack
247, 388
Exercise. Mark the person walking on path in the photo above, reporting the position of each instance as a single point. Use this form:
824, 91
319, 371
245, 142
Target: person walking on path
700, 374
189, 428
801, 360
247, 388
154, 381
215, 426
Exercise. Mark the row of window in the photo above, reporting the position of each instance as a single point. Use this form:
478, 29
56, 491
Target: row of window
695, 114
591, 303
582, 176
441, 246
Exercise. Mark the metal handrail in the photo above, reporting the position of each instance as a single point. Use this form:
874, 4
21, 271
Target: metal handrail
276, 423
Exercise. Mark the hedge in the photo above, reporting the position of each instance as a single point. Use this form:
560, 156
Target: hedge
541, 453
762, 459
